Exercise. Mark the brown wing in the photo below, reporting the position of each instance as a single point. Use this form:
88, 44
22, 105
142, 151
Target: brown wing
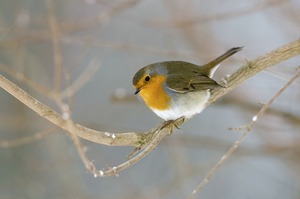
189, 82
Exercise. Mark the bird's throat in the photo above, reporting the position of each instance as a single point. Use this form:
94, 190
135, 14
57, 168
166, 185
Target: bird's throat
154, 94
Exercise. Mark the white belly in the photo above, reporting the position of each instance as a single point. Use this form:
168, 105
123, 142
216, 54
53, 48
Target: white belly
184, 105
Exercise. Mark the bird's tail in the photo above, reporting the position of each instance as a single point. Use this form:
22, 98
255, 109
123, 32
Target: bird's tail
213, 65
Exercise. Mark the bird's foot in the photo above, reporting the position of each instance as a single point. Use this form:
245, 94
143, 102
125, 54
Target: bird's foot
173, 123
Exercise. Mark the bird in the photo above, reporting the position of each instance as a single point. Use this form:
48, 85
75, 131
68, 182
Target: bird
178, 89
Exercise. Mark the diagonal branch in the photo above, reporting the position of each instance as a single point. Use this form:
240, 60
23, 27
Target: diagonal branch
106, 138
247, 129
255, 66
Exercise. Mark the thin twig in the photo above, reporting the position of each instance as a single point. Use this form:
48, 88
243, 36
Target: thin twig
69, 92
81, 151
83, 78
240, 140
40, 35
196, 20
25, 140
23, 78
55, 34
99, 20
76, 85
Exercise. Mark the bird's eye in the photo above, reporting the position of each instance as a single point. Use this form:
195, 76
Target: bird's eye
147, 78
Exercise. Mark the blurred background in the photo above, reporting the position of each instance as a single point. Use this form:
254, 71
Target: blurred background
80, 56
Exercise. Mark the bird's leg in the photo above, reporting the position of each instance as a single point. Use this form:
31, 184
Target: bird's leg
179, 122
175, 123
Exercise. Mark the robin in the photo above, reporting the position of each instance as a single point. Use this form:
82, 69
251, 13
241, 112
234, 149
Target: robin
178, 89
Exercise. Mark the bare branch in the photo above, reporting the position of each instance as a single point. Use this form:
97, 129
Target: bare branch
158, 133
253, 67
111, 139
239, 141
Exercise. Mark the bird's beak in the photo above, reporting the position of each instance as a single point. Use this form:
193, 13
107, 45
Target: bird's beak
137, 90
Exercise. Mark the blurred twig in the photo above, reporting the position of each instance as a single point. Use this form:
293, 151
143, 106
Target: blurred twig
25, 140
190, 21
100, 19
84, 77
191, 33
22, 78
55, 35
78, 83
250, 107
38, 36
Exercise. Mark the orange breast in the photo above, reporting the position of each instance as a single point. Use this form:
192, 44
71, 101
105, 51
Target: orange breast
154, 95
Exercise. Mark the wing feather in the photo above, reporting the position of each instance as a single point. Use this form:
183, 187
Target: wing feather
189, 82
